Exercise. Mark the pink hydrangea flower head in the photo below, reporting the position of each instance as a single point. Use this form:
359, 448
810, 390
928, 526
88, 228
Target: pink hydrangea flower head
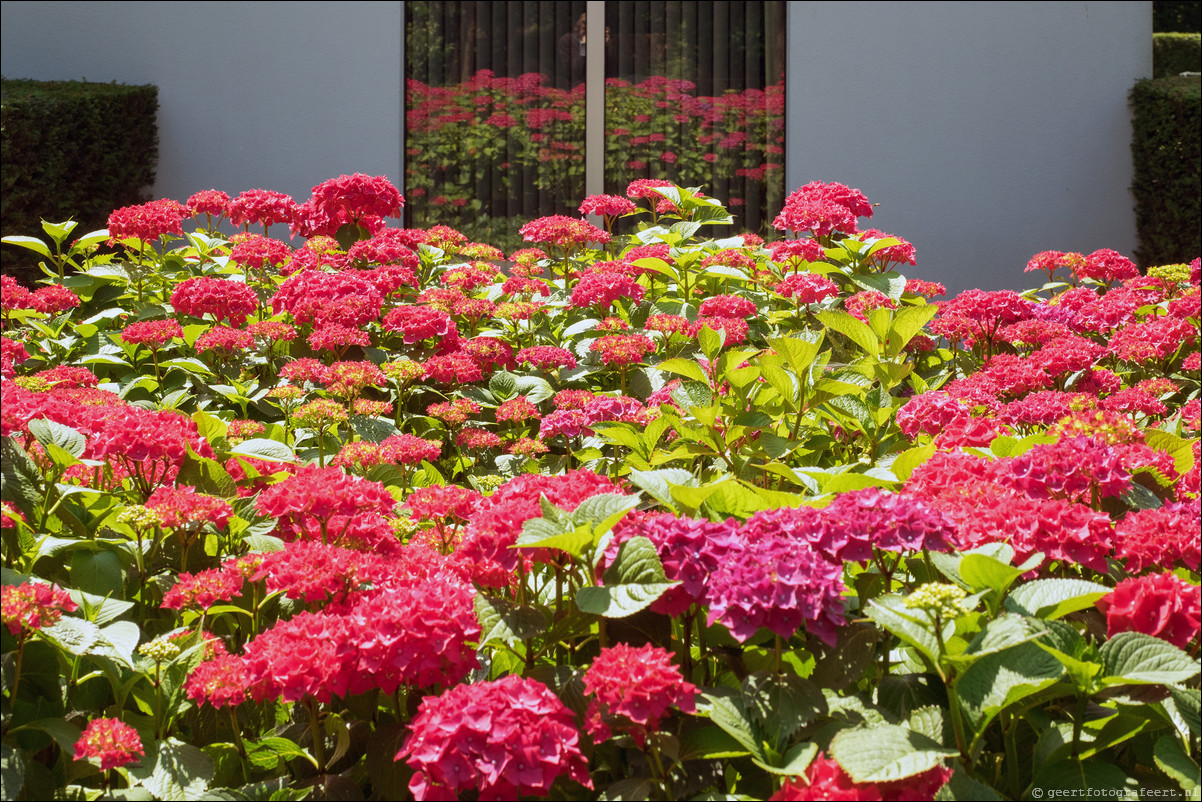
110, 741
147, 221
634, 687
33, 606
499, 739
1160, 605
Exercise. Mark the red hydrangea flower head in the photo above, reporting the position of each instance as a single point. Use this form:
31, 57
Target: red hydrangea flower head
348, 297
499, 739
1050, 261
727, 306
1107, 266
779, 583
825, 779
53, 300
491, 353
257, 253
602, 289
1160, 605
562, 232
797, 250
33, 606
109, 741
823, 209
886, 258
224, 299
807, 288
202, 590
415, 633
350, 198
644, 188
623, 349
152, 333
262, 206
307, 655
180, 507
607, 205
1159, 538
212, 202
147, 221
927, 289
221, 682
458, 367
223, 338
859, 304
634, 687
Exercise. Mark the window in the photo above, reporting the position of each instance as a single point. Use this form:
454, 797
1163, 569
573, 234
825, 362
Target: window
495, 111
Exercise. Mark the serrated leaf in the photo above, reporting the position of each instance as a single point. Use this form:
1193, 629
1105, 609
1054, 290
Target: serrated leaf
853, 329
97, 572
781, 704
30, 243
118, 640
985, 573
794, 762
1004, 632
177, 771
74, 635
963, 788
373, 430
658, 483
507, 622
1133, 658
891, 613
1050, 599
503, 385
906, 324
1000, 679
632, 583
104, 609
1189, 705
1173, 761
262, 448
799, 352
886, 754
64, 733
728, 713
50, 432
928, 721
603, 511
684, 367
206, 475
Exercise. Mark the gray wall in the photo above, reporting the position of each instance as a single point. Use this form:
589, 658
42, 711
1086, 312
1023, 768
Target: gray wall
269, 95
985, 131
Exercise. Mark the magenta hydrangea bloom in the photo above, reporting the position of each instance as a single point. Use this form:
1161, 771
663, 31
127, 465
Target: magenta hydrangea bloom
500, 738
779, 583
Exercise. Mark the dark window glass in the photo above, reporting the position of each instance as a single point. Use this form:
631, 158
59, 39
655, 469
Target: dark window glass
494, 122
696, 95
494, 130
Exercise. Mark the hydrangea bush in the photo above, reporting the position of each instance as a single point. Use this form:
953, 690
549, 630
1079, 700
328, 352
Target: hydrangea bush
621, 516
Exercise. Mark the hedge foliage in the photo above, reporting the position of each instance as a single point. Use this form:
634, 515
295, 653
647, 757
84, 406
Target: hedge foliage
74, 150
1175, 53
1168, 179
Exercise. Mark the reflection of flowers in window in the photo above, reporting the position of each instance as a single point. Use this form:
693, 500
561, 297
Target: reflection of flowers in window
522, 135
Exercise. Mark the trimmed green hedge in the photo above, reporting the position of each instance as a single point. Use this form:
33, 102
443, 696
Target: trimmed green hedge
1168, 179
1175, 53
73, 150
